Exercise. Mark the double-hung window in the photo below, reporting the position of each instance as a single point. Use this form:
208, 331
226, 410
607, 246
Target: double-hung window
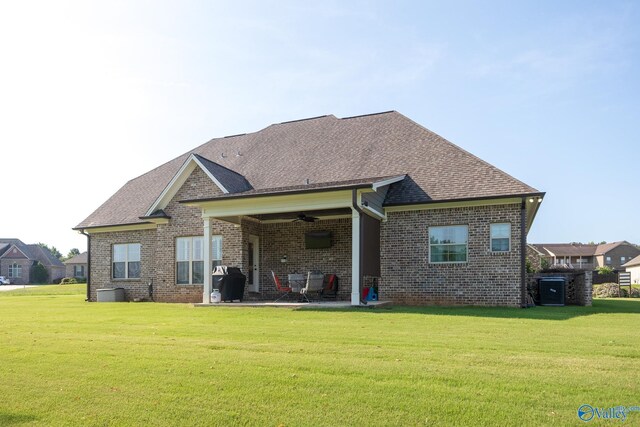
126, 261
501, 237
190, 258
15, 270
78, 271
449, 244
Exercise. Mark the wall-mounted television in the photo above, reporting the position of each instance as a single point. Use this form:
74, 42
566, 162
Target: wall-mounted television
317, 240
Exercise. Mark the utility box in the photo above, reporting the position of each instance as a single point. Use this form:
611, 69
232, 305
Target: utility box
552, 290
110, 295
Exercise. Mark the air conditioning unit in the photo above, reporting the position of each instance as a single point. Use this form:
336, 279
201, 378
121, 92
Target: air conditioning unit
552, 290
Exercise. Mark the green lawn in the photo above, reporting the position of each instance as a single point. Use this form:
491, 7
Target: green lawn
67, 362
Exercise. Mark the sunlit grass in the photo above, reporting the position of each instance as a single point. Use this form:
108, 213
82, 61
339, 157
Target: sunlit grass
68, 362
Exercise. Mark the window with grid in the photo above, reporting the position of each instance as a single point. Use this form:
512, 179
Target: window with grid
190, 258
448, 244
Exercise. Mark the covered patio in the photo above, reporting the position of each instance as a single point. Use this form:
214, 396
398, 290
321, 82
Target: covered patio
273, 225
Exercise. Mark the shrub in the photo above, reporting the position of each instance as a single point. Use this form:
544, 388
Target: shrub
39, 273
56, 281
635, 293
81, 280
68, 281
605, 269
608, 290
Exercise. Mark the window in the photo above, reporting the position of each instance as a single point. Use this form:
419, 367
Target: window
608, 260
448, 244
126, 261
15, 270
500, 237
190, 258
78, 271
622, 260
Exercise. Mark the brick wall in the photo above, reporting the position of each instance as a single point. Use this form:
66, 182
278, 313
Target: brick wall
288, 239
101, 277
578, 286
486, 279
26, 270
158, 259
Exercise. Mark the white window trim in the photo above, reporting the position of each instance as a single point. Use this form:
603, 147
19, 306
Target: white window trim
14, 267
491, 237
466, 226
191, 260
126, 262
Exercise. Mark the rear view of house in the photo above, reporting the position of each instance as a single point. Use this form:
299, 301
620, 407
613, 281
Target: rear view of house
372, 199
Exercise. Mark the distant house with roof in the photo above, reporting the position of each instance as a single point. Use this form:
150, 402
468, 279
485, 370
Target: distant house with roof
633, 267
396, 205
17, 259
76, 266
587, 256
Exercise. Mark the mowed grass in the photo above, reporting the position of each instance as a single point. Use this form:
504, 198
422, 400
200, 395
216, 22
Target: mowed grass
67, 362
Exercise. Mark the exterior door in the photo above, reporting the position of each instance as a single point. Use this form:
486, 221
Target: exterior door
253, 279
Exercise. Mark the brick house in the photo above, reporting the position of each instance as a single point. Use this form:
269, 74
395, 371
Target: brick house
587, 256
77, 266
399, 206
17, 259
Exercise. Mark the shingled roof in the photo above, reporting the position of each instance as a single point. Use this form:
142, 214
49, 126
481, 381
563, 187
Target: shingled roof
325, 150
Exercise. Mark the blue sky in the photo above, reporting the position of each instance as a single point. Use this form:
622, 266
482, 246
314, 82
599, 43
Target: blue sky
96, 93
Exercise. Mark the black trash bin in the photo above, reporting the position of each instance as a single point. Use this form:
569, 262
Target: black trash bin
551, 290
230, 282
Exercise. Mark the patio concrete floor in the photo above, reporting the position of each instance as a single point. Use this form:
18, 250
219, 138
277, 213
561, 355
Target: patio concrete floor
296, 304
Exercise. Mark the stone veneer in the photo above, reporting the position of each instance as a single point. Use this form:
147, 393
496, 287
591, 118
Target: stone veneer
487, 278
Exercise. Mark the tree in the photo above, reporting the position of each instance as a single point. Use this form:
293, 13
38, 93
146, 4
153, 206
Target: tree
39, 273
73, 252
56, 253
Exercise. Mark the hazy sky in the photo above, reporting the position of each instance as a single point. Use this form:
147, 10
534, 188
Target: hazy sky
93, 94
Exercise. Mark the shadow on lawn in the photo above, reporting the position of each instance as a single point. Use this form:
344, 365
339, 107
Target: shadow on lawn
600, 306
11, 419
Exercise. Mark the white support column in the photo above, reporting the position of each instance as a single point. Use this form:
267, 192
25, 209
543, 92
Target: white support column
206, 246
355, 257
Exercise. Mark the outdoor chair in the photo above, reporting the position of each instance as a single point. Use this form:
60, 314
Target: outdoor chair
329, 286
285, 290
314, 285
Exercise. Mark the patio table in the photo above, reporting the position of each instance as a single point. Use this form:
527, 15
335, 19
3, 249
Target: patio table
297, 282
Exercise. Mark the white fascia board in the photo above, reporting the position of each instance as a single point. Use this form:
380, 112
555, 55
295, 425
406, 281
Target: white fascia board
274, 204
113, 228
373, 213
178, 180
386, 182
453, 204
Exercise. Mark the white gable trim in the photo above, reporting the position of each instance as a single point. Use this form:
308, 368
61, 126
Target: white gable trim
14, 247
386, 182
178, 180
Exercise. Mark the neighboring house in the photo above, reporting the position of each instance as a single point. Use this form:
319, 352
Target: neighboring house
77, 266
587, 256
374, 199
633, 267
17, 258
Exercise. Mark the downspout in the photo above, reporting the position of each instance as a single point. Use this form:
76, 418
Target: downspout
88, 264
523, 254
354, 204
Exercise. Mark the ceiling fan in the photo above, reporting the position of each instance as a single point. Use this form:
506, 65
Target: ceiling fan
302, 217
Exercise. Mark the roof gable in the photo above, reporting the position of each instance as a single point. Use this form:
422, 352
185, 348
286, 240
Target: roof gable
635, 261
225, 179
318, 151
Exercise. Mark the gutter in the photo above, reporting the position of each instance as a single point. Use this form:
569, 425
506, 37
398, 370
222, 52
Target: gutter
88, 264
523, 254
